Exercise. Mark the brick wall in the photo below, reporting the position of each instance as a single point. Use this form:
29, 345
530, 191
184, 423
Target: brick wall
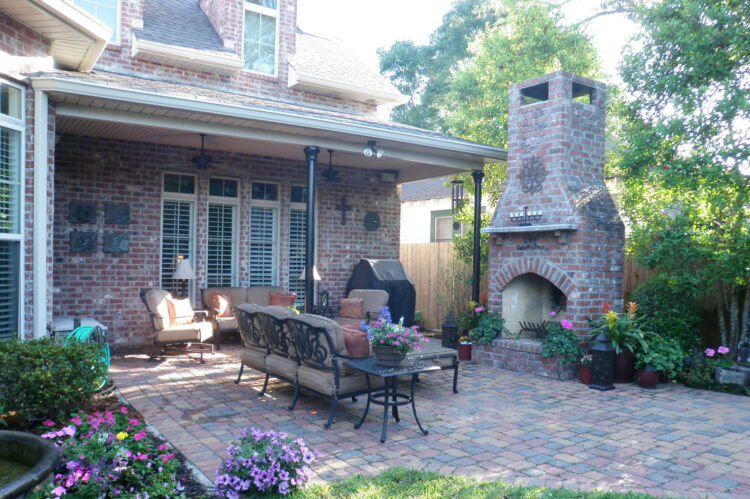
16, 39
119, 59
522, 355
106, 171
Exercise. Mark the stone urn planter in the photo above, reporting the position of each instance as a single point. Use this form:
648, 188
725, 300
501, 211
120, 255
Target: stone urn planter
624, 366
26, 461
388, 356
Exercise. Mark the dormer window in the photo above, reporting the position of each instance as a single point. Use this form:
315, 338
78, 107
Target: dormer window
105, 11
261, 35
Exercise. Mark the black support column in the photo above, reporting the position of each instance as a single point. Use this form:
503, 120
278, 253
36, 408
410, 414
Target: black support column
311, 155
478, 175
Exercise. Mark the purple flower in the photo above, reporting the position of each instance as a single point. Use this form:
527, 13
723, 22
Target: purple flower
710, 352
59, 491
69, 431
722, 349
553, 314
284, 488
566, 324
479, 309
385, 314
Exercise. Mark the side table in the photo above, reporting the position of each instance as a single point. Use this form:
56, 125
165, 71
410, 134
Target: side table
389, 396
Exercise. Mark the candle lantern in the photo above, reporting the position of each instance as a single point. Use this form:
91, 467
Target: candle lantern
603, 364
450, 331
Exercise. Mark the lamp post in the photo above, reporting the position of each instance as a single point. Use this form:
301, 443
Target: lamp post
183, 273
603, 364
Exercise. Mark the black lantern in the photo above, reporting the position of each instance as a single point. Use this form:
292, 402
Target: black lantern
603, 364
450, 331
457, 199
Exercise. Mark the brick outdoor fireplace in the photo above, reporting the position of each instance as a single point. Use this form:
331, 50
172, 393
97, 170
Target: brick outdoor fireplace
556, 240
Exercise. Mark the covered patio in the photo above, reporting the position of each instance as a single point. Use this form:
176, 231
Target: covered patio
502, 425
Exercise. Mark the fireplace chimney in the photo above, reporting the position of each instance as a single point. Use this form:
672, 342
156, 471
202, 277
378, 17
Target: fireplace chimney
556, 239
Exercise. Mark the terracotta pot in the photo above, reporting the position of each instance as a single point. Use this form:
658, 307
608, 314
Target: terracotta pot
624, 366
648, 378
464, 351
388, 356
584, 374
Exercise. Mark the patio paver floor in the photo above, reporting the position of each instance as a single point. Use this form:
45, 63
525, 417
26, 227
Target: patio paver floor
501, 425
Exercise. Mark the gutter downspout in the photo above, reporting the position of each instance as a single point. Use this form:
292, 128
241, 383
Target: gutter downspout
311, 154
41, 178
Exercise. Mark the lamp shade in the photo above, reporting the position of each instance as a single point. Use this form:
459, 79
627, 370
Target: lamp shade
183, 270
316, 276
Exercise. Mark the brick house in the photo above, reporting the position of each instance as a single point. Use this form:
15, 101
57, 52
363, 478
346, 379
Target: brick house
103, 108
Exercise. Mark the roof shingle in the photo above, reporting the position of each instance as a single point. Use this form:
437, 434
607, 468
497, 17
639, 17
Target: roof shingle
181, 23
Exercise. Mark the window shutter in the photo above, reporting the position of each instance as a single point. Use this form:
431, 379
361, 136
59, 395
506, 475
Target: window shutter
177, 237
262, 246
9, 289
221, 244
297, 227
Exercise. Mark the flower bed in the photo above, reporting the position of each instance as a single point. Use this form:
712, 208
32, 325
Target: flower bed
111, 453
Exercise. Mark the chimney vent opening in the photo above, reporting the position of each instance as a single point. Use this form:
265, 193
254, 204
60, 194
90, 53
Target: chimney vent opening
583, 93
534, 94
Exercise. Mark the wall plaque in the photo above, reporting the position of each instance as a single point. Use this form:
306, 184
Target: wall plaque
116, 243
82, 242
81, 213
117, 214
372, 221
530, 243
533, 174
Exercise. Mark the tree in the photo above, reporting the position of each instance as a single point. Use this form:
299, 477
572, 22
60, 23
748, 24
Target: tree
685, 148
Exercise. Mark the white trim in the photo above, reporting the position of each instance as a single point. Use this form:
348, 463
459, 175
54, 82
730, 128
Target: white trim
317, 122
307, 82
264, 11
186, 57
41, 212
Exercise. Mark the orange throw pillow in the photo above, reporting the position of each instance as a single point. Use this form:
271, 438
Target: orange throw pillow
222, 303
282, 299
352, 308
180, 311
355, 341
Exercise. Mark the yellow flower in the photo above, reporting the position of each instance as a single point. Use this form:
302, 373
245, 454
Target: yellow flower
610, 318
122, 435
632, 307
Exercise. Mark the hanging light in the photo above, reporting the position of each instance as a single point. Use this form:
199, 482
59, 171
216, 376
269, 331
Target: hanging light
202, 161
330, 174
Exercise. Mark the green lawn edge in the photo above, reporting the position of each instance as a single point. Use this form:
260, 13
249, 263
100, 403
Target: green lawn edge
402, 482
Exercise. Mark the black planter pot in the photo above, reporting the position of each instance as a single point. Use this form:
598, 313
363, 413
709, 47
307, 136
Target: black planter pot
624, 366
27, 449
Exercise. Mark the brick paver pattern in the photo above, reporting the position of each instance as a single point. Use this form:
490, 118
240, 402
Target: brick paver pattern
529, 430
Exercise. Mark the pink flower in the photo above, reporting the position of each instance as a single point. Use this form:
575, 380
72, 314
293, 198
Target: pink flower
163, 447
124, 410
710, 352
723, 349
49, 423
167, 457
133, 422
552, 314
69, 431
59, 491
140, 435
77, 421
566, 324
479, 309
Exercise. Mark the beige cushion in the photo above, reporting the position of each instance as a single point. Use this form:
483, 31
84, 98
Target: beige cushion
180, 311
323, 381
254, 358
334, 330
373, 300
283, 366
259, 294
195, 332
238, 295
226, 323
156, 302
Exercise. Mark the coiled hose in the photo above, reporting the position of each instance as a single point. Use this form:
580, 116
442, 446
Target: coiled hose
92, 334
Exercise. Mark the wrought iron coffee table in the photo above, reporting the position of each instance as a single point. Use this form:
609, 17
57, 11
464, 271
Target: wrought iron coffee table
389, 395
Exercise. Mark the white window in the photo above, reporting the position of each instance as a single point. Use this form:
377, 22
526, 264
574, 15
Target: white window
106, 11
11, 155
443, 228
178, 207
297, 228
261, 35
264, 234
222, 232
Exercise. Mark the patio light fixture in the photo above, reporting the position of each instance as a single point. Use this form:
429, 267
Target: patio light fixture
371, 150
202, 161
330, 174
184, 273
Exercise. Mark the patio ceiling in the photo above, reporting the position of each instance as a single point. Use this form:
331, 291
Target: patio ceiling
159, 117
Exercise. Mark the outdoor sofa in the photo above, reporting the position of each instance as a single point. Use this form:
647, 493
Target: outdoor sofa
308, 352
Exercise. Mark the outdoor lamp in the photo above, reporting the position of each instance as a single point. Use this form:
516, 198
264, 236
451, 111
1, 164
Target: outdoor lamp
183, 273
450, 331
603, 364
371, 150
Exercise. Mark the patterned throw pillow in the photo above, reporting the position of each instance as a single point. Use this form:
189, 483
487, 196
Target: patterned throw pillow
222, 303
180, 311
352, 308
282, 299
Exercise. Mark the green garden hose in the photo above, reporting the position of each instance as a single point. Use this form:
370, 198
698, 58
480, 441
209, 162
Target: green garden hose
92, 334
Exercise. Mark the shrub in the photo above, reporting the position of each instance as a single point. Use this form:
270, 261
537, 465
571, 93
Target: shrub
667, 306
490, 326
108, 455
561, 342
41, 379
663, 354
263, 461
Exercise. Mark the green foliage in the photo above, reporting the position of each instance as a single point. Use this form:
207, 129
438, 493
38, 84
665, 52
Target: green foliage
490, 326
662, 354
41, 379
562, 343
701, 375
622, 330
667, 307
401, 482
685, 153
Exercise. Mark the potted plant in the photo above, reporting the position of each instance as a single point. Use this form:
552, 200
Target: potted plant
664, 356
627, 338
464, 348
489, 325
392, 341
584, 369
561, 342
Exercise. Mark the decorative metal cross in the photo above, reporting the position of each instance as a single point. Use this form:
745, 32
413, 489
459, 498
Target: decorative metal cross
343, 208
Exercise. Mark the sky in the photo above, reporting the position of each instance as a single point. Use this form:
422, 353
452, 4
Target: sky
364, 26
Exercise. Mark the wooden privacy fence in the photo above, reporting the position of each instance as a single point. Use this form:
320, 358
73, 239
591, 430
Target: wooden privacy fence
442, 281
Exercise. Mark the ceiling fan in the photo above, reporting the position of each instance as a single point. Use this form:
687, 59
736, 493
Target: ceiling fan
202, 161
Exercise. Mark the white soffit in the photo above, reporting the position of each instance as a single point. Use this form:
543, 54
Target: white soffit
187, 58
77, 39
